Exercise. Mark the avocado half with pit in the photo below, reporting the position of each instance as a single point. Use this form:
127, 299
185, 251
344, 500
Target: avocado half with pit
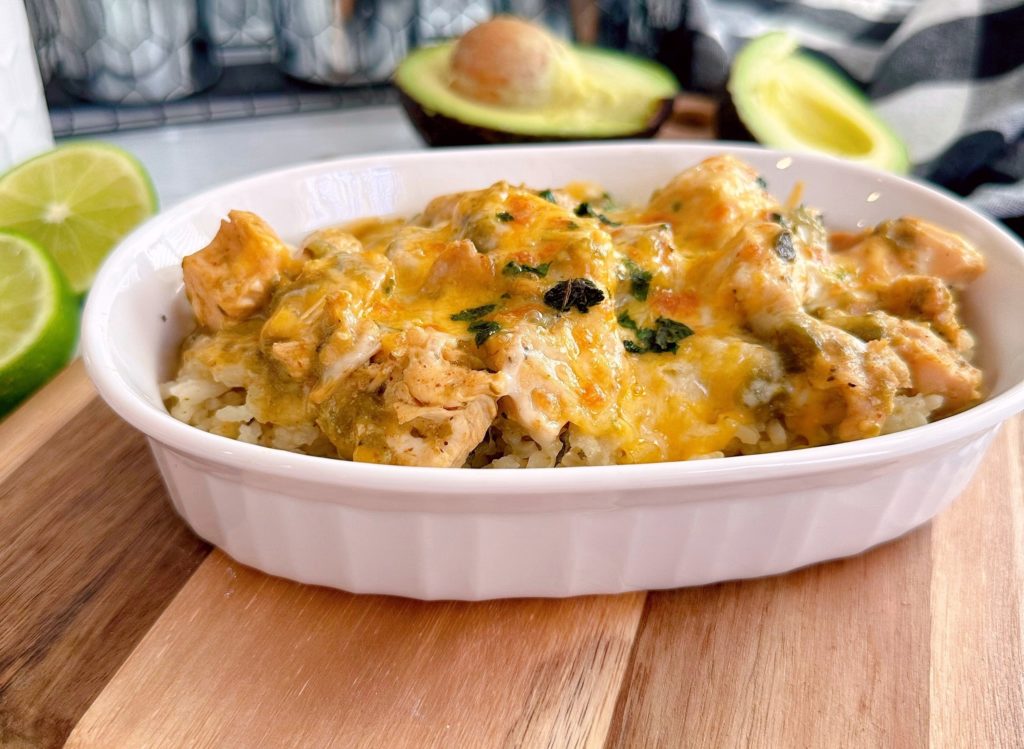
787, 99
509, 81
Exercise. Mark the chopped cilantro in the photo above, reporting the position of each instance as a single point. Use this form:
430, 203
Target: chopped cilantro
784, 246
644, 336
668, 334
572, 225
583, 210
505, 216
639, 279
547, 195
627, 322
761, 182
483, 329
581, 293
663, 338
512, 268
474, 313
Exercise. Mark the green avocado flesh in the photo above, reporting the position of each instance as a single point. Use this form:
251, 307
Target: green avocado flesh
618, 96
790, 100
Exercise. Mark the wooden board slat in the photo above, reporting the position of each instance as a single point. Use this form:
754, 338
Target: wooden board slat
90, 553
834, 655
916, 642
29, 427
242, 659
977, 592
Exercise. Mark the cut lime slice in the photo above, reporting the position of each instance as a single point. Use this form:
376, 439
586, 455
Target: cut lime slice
38, 319
77, 202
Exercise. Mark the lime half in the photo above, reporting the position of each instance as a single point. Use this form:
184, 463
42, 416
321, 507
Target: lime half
38, 319
77, 202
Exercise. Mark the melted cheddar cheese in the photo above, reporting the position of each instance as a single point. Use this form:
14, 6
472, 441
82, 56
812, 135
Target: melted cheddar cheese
512, 326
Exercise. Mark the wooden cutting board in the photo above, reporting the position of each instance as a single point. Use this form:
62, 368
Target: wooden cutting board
121, 629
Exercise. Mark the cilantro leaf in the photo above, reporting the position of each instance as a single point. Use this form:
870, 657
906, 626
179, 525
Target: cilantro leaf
483, 329
668, 334
627, 322
639, 279
663, 338
583, 210
512, 268
581, 293
474, 313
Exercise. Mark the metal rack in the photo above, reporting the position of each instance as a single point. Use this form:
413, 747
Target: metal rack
244, 91
271, 57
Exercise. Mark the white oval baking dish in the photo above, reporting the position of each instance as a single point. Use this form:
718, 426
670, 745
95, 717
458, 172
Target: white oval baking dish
464, 534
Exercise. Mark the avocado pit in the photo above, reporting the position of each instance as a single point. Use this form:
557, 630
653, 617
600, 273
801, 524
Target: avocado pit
508, 80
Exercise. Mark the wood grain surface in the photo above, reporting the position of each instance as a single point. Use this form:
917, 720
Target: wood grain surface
977, 606
90, 554
282, 664
916, 643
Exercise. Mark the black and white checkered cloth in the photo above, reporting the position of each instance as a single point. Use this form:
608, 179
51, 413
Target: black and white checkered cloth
947, 75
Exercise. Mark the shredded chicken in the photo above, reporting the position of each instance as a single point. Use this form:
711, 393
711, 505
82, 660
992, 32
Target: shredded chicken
426, 402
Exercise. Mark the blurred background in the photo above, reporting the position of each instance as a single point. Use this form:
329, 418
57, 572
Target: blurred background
110, 65
946, 74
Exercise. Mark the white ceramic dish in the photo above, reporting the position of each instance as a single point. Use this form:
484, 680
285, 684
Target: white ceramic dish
450, 533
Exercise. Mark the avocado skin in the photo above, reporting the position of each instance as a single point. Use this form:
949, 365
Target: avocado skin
728, 125
441, 130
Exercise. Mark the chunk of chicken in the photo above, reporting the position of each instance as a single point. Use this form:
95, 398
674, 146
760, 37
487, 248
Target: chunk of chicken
324, 304
412, 252
710, 202
935, 366
546, 390
439, 210
233, 277
567, 369
928, 299
424, 402
761, 276
770, 288
459, 263
232, 357
333, 240
864, 377
910, 246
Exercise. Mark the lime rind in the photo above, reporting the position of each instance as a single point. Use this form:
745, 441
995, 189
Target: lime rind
77, 201
38, 319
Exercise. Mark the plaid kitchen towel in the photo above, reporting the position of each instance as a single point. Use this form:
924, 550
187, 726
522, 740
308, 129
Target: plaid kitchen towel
947, 75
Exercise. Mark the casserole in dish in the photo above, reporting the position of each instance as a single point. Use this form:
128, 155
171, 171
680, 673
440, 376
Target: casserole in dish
451, 533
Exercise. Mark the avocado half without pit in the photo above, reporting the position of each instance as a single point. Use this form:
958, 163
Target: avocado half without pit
787, 99
508, 81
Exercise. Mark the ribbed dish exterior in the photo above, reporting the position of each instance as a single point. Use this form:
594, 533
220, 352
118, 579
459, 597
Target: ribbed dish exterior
663, 538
